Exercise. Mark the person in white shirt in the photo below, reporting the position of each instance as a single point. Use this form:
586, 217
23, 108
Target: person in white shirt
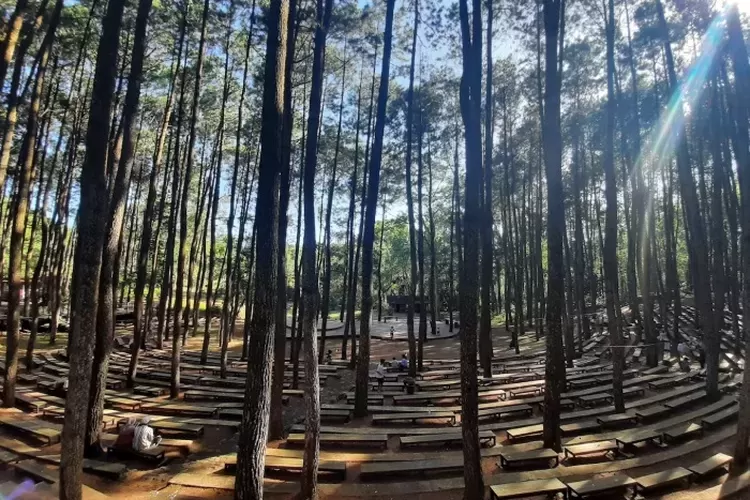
380, 374
144, 436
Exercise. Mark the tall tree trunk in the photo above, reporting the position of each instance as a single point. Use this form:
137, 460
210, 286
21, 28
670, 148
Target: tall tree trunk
471, 103
276, 425
19, 213
554, 371
739, 56
254, 428
368, 236
115, 216
485, 326
610, 245
309, 482
88, 256
410, 202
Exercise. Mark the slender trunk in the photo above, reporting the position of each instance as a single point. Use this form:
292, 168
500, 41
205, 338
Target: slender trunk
368, 235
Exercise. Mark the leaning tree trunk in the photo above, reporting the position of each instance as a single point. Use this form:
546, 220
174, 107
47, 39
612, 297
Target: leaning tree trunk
88, 254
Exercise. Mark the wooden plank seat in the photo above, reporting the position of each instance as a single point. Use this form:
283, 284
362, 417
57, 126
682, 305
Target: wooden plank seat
150, 391
414, 417
668, 382
663, 479
710, 465
616, 483
651, 412
50, 384
294, 465
155, 454
180, 410
656, 370
629, 439
525, 392
109, 470
632, 391
388, 386
504, 411
526, 431
579, 427
377, 440
524, 489
617, 419
124, 403
388, 377
685, 400
596, 448
448, 438
682, 431
27, 378
325, 414
372, 399
720, 417
533, 457
594, 399
207, 395
36, 470
173, 427
40, 430
438, 385
375, 470
35, 405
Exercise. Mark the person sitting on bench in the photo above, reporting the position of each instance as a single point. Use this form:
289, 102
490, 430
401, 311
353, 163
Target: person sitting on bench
329, 357
403, 365
144, 436
125, 437
380, 374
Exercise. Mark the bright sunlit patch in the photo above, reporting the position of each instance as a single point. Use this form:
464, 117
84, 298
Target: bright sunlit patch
662, 143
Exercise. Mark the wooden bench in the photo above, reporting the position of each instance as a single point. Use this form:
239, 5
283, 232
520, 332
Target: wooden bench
325, 414
414, 417
173, 427
501, 411
616, 483
155, 454
525, 432
180, 410
630, 439
373, 470
579, 427
685, 400
594, 399
540, 457
378, 440
38, 429
663, 479
682, 431
710, 465
655, 411
597, 448
617, 419
294, 465
524, 489
444, 438
720, 417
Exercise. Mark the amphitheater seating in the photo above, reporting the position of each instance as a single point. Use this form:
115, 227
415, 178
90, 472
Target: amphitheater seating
542, 457
710, 465
528, 488
663, 478
444, 438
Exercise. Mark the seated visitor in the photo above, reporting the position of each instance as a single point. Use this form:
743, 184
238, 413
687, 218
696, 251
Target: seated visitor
125, 436
144, 436
403, 365
329, 357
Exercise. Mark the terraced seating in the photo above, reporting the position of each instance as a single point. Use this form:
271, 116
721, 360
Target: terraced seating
682, 431
523, 489
414, 417
710, 465
541, 457
616, 483
629, 439
502, 411
663, 478
444, 438
375, 470
362, 439
601, 447
294, 465
720, 417
616, 419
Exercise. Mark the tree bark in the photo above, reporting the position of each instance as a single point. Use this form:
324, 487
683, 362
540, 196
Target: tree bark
368, 236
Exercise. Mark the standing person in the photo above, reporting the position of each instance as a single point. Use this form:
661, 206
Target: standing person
380, 374
391, 333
